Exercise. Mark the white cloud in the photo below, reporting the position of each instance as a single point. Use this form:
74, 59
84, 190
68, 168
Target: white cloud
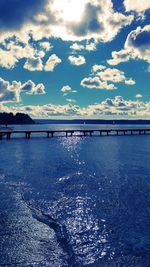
52, 62
77, 61
130, 82
104, 78
66, 88
138, 96
87, 19
136, 5
46, 46
90, 47
114, 108
30, 88
96, 83
70, 100
13, 51
10, 92
7, 60
114, 75
137, 46
70, 20
33, 64
118, 57
98, 67
36, 64
73, 20
77, 47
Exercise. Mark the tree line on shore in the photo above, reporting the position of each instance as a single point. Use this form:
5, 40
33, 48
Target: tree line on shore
18, 118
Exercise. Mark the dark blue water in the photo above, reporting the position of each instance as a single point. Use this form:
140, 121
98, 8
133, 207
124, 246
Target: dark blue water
75, 202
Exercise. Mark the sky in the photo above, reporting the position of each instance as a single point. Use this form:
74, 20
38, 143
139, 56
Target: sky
75, 58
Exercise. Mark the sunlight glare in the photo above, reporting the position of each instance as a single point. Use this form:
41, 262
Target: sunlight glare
69, 10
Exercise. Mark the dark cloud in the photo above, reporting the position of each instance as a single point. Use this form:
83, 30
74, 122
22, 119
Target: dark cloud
14, 13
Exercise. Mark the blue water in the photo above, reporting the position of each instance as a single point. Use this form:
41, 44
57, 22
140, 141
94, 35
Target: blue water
76, 201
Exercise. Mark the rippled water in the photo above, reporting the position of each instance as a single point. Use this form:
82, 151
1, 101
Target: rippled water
75, 202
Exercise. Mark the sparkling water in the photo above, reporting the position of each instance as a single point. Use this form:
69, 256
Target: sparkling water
76, 201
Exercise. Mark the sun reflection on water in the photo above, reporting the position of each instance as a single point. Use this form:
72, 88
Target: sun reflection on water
71, 143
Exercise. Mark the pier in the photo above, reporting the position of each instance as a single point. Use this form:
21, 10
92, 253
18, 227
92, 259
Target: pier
7, 134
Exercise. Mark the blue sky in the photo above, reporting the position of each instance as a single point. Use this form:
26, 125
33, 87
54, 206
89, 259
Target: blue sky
75, 58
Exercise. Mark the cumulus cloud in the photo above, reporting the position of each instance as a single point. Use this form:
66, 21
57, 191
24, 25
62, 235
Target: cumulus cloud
7, 60
97, 67
33, 64
26, 27
69, 20
67, 90
90, 47
137, 46
118, 57
104, 78
52, 62
77, 60
12, 51
10, 92
138, 96
99, 21
30, 88
117, 107
130, 82
120, 107
96, 83
136, 5
36, 64
48, 110
114, 75
46, 46
78, 47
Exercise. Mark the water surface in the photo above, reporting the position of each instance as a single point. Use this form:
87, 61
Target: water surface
75, 201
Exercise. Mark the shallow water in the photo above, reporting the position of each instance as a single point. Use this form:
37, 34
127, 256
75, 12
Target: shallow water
75, 201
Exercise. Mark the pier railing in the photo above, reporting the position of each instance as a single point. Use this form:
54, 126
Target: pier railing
7, 134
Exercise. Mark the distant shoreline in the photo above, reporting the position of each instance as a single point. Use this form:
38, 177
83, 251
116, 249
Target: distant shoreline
90, 121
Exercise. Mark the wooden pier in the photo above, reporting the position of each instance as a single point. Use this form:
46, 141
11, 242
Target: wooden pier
7, 134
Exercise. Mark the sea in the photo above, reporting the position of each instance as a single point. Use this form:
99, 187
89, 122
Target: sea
75, 201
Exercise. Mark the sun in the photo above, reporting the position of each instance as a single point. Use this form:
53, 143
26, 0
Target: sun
69, 10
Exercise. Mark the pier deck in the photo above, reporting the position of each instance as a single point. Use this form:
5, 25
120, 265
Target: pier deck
7, 134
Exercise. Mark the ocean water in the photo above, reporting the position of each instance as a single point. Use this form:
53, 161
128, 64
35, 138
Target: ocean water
76, 201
